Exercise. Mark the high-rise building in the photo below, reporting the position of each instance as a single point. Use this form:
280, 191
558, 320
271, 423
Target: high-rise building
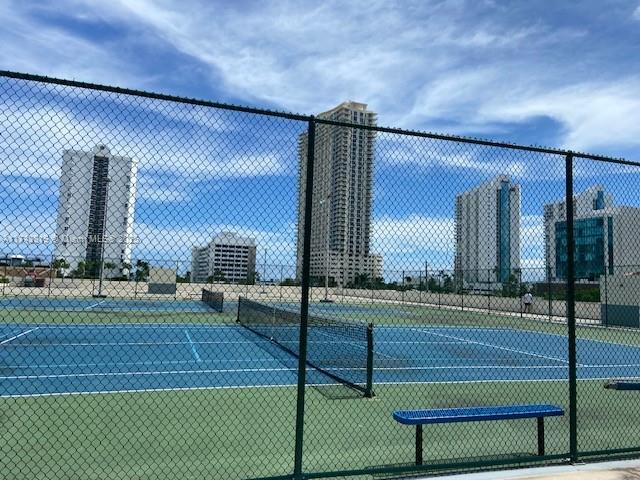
606, 237
228, 257
342, 188
487, 234
95, 211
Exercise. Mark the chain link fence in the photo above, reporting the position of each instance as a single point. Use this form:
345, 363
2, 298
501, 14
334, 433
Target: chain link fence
192, 289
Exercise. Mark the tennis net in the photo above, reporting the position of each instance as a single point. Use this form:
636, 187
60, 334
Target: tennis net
214, 300
340, 349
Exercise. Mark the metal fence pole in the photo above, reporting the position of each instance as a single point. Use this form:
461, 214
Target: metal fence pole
571, 313
606, 300
549, 292
489, 290
520, 289
304, 301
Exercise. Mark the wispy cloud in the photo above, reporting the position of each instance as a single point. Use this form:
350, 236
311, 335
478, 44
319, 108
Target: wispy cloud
484, 66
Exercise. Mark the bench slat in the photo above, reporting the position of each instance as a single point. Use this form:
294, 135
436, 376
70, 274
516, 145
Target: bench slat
475, 414
623, 385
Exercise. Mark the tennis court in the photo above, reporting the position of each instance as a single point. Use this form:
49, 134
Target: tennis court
43, 358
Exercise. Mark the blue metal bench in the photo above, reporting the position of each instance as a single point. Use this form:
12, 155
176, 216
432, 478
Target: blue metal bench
476, 414
622, 385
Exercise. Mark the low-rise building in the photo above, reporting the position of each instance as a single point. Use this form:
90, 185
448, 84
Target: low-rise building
229, 257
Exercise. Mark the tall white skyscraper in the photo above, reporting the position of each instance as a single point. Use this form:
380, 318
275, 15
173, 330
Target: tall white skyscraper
342, 188
95, 211
228, 257
488, 234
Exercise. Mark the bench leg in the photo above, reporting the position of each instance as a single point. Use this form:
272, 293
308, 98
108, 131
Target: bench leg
540, 435
418, 444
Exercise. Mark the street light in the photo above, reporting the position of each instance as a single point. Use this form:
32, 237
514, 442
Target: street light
327, 254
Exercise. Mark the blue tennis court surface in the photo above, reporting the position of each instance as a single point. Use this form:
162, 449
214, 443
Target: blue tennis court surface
48, 359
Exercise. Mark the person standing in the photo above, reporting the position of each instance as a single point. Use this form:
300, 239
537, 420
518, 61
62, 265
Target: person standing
527, 299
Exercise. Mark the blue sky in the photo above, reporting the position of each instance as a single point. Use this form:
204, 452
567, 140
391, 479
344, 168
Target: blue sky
563, 74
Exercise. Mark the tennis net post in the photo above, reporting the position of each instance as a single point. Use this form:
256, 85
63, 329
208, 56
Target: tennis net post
368, 392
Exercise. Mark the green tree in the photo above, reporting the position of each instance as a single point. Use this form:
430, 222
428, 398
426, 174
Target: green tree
218, 276
142, 271
80, 270
59, 263
447, 283
186, 278
510, 287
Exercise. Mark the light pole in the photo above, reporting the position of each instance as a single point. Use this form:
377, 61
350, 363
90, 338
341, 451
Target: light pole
102, 240
264, 273
327, 261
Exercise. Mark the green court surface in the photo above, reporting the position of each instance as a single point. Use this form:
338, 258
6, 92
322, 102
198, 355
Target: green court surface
248, 432
177, 434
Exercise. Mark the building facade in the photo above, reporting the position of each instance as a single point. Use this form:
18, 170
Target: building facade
607, 238
95, 211
342, 191
487, 234
229, 257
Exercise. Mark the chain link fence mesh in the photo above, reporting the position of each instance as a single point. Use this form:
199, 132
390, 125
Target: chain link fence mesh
438, 276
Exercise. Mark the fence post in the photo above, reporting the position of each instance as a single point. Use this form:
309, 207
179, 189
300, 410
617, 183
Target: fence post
489, 284
571, 313
304, 301
606, 300
549, 292
520, 289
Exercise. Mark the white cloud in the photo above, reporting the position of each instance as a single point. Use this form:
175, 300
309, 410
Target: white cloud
36, 47
636, 13
36, 135
594, 114
469, 73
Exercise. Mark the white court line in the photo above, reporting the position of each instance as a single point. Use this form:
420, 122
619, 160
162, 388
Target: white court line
94, 305
384, 342
513, 350
269, 370
613, 365
4, 342
195, 342
152, 372
194, 350
167, 325
291, 385
153, 362
4, 335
